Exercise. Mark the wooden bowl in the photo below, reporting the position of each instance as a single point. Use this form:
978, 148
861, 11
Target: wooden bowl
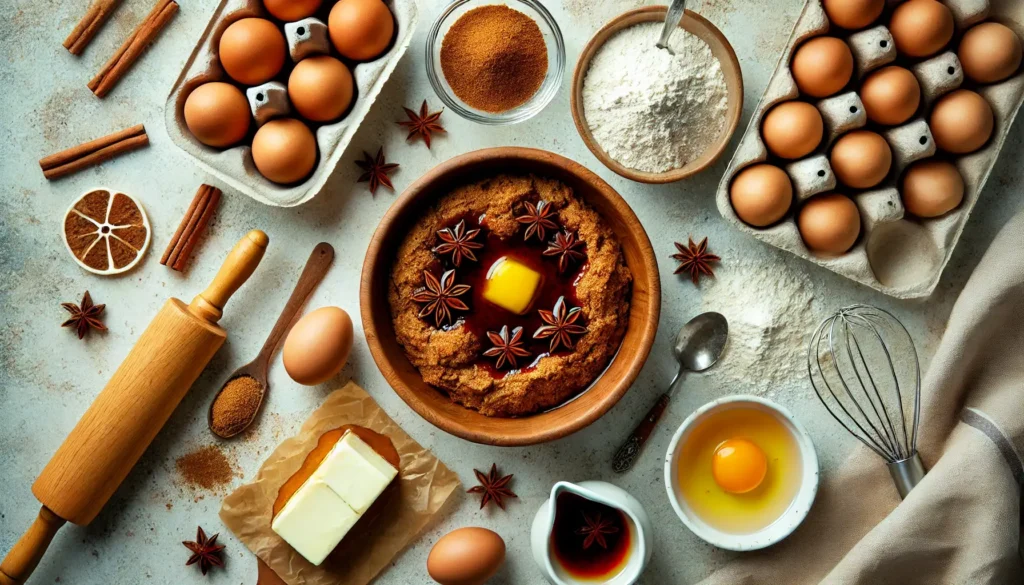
722, 50
433, 404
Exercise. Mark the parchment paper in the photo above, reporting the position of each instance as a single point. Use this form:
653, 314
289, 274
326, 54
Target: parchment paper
423, 486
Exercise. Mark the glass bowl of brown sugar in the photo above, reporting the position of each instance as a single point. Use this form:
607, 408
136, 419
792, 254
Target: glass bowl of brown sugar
495, 61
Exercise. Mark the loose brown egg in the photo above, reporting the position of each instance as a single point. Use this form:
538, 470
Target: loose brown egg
921, 28
822, 66
761, 194
891, 95
360, 29
466, 556
252, 50
291, 10
861, 159
318, 345
284, 150
792, 130
829, 224
217, 114
320, 88
962, 122
932, 188
853, 14
990, 52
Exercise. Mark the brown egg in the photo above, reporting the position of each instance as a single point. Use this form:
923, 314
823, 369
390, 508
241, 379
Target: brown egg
360, 29
853, 14
318, 345
861, 159
921, 28
792, 130
932, 188
961, 122
761, 194
284, 150
829, 224
320, 88
466, 556
291, 10
252, 50
217, 114
990, 52
822, 66
891, 95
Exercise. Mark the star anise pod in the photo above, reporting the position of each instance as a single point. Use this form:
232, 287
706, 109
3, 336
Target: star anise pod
595, 530
537, 219
493, 487
440, 297
565, 246
695, 259
560, 325
375, 170
506, 348
205, 551
85, 316
422, 124
458, 242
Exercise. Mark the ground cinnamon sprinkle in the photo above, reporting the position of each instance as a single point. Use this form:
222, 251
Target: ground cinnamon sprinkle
206, 468
235, 406
494, 58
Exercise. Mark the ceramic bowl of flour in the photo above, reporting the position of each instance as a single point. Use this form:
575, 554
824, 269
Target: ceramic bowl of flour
647, 114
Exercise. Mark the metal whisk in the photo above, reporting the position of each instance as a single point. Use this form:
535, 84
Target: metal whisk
864, 369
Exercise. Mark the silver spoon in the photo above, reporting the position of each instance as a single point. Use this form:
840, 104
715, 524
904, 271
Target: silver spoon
672, 20
698, 346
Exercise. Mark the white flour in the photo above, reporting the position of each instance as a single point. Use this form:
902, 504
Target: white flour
651, 110
772, 313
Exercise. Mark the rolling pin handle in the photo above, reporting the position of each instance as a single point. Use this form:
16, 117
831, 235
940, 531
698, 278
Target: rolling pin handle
237, 268
27, 552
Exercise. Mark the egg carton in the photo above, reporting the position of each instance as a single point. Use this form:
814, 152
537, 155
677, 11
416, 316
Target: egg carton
235, 166
900, 256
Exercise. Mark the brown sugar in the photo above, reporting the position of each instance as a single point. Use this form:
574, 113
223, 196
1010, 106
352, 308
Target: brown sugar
235, 406
206, 467
494, 58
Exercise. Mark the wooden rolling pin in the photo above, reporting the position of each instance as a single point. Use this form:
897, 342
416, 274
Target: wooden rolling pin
133, 407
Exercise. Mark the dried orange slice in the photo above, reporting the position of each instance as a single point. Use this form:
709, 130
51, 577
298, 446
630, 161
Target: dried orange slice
106, 232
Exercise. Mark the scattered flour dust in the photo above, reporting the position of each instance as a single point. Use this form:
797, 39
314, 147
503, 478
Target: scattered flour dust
772, 312
651, 110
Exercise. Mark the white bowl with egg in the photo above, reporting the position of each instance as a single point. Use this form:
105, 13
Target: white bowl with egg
804, 487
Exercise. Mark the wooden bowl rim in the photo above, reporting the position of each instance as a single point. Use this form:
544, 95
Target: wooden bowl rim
521, 432
625, 20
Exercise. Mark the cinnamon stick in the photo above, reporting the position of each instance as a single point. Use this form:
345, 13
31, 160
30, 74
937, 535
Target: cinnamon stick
179, 249
93, 152
143, 36
90, 24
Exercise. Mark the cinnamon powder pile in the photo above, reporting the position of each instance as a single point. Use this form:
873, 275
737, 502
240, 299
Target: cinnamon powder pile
206, 467
494, 58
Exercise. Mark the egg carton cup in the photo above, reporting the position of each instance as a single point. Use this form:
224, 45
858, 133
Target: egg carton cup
235, 166
897, 254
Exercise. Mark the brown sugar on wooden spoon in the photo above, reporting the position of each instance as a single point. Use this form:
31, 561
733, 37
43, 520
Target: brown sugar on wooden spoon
239, 400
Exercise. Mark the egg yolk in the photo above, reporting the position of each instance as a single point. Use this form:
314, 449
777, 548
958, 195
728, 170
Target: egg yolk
738, 466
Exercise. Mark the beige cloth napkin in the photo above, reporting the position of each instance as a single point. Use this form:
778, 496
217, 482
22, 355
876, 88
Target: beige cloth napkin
961, 524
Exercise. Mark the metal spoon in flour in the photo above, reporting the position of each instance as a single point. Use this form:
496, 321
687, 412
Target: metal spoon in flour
672, 20
698, 346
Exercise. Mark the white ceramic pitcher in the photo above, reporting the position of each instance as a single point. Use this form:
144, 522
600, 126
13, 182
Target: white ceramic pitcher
641, 545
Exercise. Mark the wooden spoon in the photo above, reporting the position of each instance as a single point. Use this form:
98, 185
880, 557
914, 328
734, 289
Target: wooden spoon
316, 267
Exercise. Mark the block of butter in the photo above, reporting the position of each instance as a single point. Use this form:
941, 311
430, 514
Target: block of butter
319, 515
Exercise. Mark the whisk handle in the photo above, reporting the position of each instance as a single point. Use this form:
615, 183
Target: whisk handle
630, 450
907, 473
